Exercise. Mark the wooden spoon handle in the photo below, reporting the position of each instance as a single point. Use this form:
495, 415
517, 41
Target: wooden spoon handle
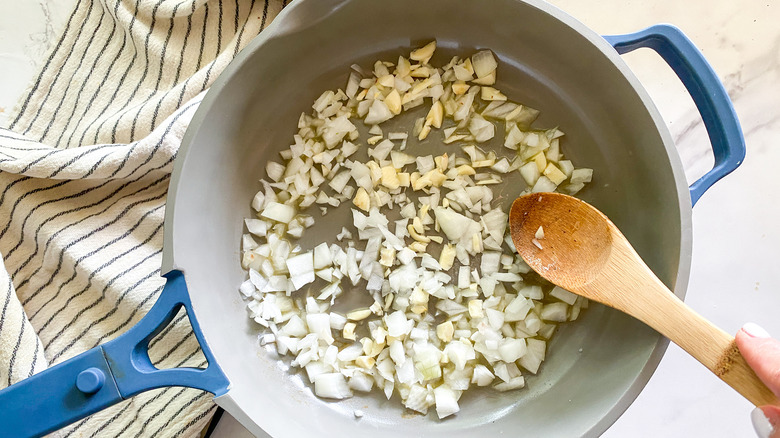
627, 284
710, 345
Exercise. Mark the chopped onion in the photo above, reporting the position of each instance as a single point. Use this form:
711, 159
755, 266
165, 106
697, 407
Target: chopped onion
301, 268
319, 324
322, 256
258, 201
514, 383
378, 113
490, 262
482, 376
424, 335
530, 173
247, 288
554, 312
274, 170
446, 401
331, 385
454, 225
566, 167
581, 176
512, 349
278, 212
484, 63
248, 243
543, 184
563, 295
417, 400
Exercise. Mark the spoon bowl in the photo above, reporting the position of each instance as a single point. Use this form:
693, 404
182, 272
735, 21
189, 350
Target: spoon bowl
573, 245
576, 243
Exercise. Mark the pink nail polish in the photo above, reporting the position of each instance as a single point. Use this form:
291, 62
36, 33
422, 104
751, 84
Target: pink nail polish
755, 331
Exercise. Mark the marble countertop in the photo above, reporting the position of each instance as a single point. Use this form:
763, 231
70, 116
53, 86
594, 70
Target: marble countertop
734, 277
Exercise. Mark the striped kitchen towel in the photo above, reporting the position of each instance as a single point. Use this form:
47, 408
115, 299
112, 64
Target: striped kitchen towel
84, 171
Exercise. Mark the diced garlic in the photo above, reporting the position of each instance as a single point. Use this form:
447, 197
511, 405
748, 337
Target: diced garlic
460, 88
358, 314
444, 331
435, 115
475, 309
390, 178
447, 257
489, 79
554, 174
423, 54
365, 362
349, 331
387, 257
361, 200
393, 102
490, 93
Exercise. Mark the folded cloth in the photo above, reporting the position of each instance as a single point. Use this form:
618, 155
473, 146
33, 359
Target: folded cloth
84, 172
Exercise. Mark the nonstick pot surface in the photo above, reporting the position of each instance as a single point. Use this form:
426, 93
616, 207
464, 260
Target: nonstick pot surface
595, 367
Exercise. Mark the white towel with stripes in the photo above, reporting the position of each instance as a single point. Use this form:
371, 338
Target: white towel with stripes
84, 172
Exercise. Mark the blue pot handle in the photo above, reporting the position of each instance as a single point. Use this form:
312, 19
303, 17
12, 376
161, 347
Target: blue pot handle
107, 374
728, 144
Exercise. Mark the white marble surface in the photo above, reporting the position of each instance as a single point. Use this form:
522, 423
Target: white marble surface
735, 277
28, 28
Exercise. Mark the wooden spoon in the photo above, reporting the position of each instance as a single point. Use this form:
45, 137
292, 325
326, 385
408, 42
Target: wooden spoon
584, 252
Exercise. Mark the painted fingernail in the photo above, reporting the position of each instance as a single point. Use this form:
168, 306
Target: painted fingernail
761, 423
755, 331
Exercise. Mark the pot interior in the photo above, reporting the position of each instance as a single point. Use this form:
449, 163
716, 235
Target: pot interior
595, 366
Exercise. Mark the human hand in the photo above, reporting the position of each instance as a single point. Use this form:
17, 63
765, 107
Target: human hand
762, 353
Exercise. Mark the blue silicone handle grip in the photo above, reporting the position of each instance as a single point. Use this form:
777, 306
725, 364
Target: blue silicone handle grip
107, 374
51, 399
129, 358
728, 144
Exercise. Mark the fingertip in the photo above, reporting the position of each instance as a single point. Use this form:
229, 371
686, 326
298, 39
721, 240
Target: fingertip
751, 338
763, 356
744, 341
